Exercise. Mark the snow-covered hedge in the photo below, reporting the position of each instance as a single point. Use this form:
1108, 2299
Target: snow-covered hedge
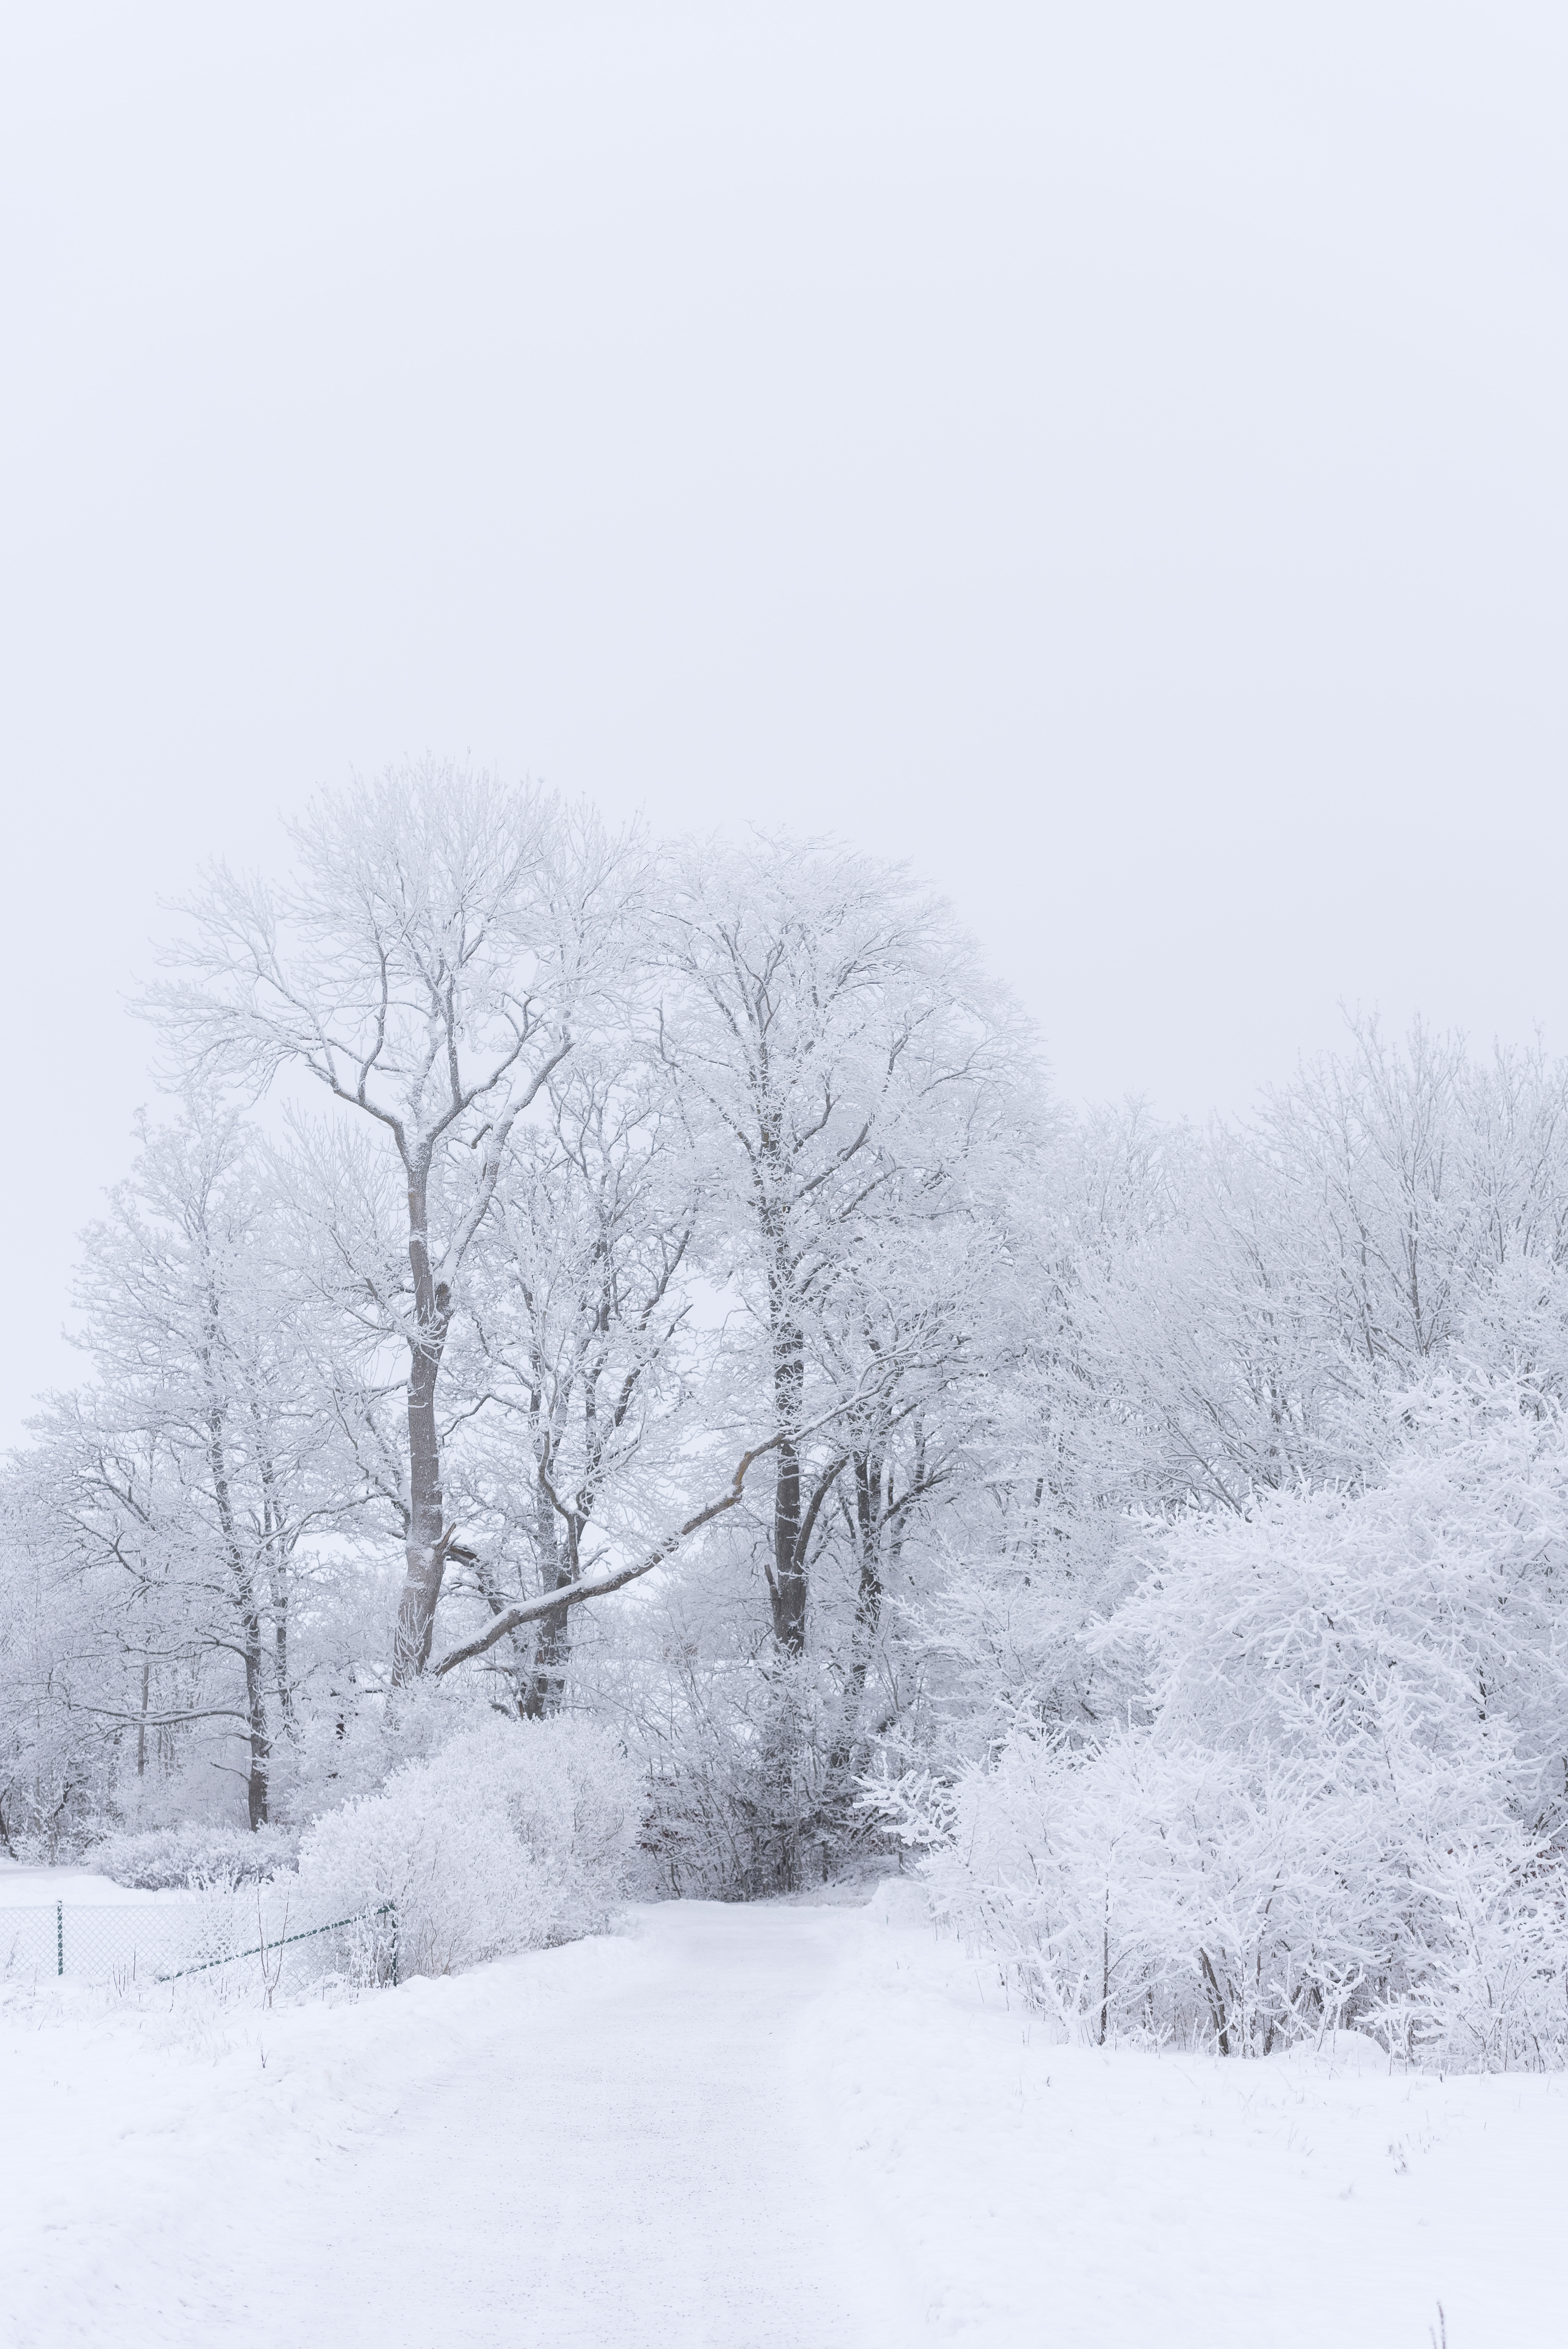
167, 1858
514, 1835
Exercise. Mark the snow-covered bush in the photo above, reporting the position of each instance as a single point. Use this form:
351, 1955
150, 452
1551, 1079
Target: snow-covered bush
1486, 1984
165, 1858
1135, 1890
347, 1746
1249, 1900
514, 1835
754, 1781
56, 1768
1341, 1801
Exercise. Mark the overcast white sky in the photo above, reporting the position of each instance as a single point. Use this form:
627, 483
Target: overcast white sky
1112, 455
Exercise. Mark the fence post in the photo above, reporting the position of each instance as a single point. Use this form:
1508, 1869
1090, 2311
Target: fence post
60, 1937
393, 1906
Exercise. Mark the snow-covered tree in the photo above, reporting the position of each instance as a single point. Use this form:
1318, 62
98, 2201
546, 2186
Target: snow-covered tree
846, 1060
183, 1479
444, 943
578, 1365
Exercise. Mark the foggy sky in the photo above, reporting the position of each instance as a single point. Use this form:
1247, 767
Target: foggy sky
1112, 456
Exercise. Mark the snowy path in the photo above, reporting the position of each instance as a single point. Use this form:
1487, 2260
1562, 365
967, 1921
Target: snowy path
636, 2167
736, 2128
615, 2144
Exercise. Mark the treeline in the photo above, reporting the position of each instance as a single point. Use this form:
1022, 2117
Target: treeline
619, 1209
656, 1286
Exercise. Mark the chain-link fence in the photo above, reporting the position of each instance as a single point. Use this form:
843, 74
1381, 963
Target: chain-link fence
250, 1928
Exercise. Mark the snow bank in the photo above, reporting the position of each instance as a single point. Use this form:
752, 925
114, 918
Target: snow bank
1037, 2194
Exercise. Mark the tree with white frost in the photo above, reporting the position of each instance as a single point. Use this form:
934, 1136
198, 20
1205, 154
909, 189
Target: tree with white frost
445, 941
188, 1474
579, 1369
844, 1060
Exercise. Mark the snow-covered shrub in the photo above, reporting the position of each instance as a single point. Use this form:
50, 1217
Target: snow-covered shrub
1342, 1802
165, 1858
1446, 1579
56, 1767
348, 1745
1248, 1900
1485, 1983
514, 1835
48, 1815
1134, 1891
753, 1785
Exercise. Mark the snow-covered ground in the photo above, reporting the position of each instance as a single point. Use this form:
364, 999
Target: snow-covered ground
729, 2128
31, 1887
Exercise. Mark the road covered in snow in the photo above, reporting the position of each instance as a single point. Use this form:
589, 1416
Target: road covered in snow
731, 2128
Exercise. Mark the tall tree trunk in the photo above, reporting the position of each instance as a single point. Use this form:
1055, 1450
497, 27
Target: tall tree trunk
552, 1655
278, 1584
787, 1583
257, 1776
426, 1551
281, 1646
868, 1471
552, 1646
250, 1613
426, 1557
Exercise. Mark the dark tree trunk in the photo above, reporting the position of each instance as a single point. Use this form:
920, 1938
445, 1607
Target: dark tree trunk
868, 1472
552, 1654
787, 1583
278, 1584
256, 1781
281, 1646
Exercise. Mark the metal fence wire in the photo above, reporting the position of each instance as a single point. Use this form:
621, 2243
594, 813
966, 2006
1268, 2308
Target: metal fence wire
165, 1940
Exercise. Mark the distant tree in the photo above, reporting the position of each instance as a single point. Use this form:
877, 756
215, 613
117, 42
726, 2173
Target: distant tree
1414, 1174
186, 1475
